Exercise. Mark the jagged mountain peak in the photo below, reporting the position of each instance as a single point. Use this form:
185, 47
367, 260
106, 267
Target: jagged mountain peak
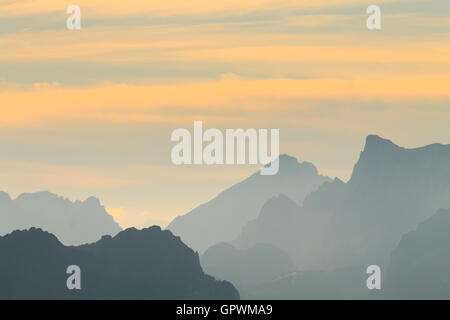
93, 201
4, 197
73, 222
46, 196
135, 264
35, 236
285, 158
134, 234
281, 204
288, 163
377, 143
41, 195
222, 218
383, 160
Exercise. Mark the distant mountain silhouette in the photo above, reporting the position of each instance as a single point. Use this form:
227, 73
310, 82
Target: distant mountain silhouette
300, 232
420, 265
267, 227
222, 218
145, 264
259, 264
360, 222
72, 222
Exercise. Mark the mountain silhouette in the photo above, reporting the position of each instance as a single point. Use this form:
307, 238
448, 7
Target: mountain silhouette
258, 264
267, 227
135, 264
72, 222
222, 218
420, 265
360, 222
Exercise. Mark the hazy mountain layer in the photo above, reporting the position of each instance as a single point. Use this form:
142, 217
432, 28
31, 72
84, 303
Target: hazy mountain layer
221, 219
360, 222
420, 265
72, 222
244, 268
145, 264
344, 283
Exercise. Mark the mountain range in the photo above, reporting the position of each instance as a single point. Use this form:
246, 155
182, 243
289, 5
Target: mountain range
246, 268
222, 218
341, 228
135, 264
73, 223
360, 222
294, 235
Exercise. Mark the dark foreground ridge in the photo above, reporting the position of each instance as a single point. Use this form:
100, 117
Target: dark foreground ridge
135, 264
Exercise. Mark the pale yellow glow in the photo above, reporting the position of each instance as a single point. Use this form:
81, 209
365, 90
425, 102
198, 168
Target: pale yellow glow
47, 103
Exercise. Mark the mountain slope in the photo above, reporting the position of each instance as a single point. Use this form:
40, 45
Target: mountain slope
221, 219
72, 222
345, 283
360, 222
267, 227
145, 264
420, 265
258, 264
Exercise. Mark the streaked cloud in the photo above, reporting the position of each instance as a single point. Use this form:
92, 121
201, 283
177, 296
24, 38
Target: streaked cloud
172, 7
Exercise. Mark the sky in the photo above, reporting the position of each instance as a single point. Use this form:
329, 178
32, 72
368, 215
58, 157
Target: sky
90, 112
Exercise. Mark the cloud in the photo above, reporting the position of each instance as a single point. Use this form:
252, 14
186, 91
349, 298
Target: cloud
45, 85
57, 176
152, 103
